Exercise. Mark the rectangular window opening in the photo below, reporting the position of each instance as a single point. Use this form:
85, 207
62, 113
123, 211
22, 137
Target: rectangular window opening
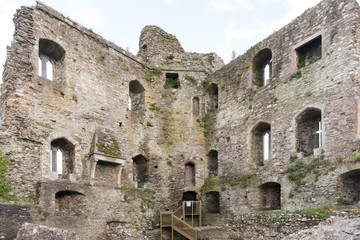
309, 53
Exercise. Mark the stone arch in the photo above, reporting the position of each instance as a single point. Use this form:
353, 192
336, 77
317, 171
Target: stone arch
189, 196
270, 195
262, 67
62, 157
213, 96
136, 96
51, 56
348, 187
211, 202
69, 203
260, 143
189, 173
140, 170
212, 162
309, 130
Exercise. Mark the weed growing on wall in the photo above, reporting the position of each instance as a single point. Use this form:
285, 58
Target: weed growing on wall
4, 186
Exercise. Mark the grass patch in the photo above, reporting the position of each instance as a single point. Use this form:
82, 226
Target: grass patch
5, 188
154, 107
191, 79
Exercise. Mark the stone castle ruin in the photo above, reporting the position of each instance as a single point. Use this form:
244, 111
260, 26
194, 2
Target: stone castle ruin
103, 144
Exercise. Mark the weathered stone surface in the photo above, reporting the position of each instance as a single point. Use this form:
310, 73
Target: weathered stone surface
153, 115
333, 228
35, 232
12, 217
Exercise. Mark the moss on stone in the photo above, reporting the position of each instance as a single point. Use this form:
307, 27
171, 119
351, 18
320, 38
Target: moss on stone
191, 79
151, 73
108, 146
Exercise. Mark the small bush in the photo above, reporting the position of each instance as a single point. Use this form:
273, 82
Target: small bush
4, 186
172, 83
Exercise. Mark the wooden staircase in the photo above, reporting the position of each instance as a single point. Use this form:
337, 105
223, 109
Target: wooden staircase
176, 219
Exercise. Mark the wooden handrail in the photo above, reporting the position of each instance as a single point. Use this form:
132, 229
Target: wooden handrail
176, 219
183, 228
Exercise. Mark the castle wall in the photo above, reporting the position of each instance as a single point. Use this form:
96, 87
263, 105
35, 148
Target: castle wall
130, 128
328, 85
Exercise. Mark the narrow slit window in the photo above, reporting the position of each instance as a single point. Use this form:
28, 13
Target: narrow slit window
266, 144
196, 106
49, 70
56, 160
266, 74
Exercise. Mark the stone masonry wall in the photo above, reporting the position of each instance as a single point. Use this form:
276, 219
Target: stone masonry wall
90, 94
328, 84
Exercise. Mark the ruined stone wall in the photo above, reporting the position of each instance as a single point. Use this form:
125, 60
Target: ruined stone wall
328, 84
116, 116
84, 111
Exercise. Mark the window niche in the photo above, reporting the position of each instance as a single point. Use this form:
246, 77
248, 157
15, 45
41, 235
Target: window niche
196, 106
262, 67
189, 174
212, 202
348, 188
213, 97
69, 203
309, 53
62, 157
309, 131
270, 195
145, 52
261, 143
172, 80
136, 96
212, 163
140, 170
51, 56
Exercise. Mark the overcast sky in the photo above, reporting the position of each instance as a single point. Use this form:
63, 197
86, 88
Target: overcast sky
200, 25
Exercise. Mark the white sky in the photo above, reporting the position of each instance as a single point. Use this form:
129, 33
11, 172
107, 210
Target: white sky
200, 25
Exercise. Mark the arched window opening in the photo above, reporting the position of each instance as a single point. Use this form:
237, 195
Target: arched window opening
189, 196
262, 67
348, 188
212, 202
69, 203
213, 97
62, 157
261, 143
213, 163
309, 131
196, 106
136, 96
50, 58
270, 195
140, 170
189, 174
